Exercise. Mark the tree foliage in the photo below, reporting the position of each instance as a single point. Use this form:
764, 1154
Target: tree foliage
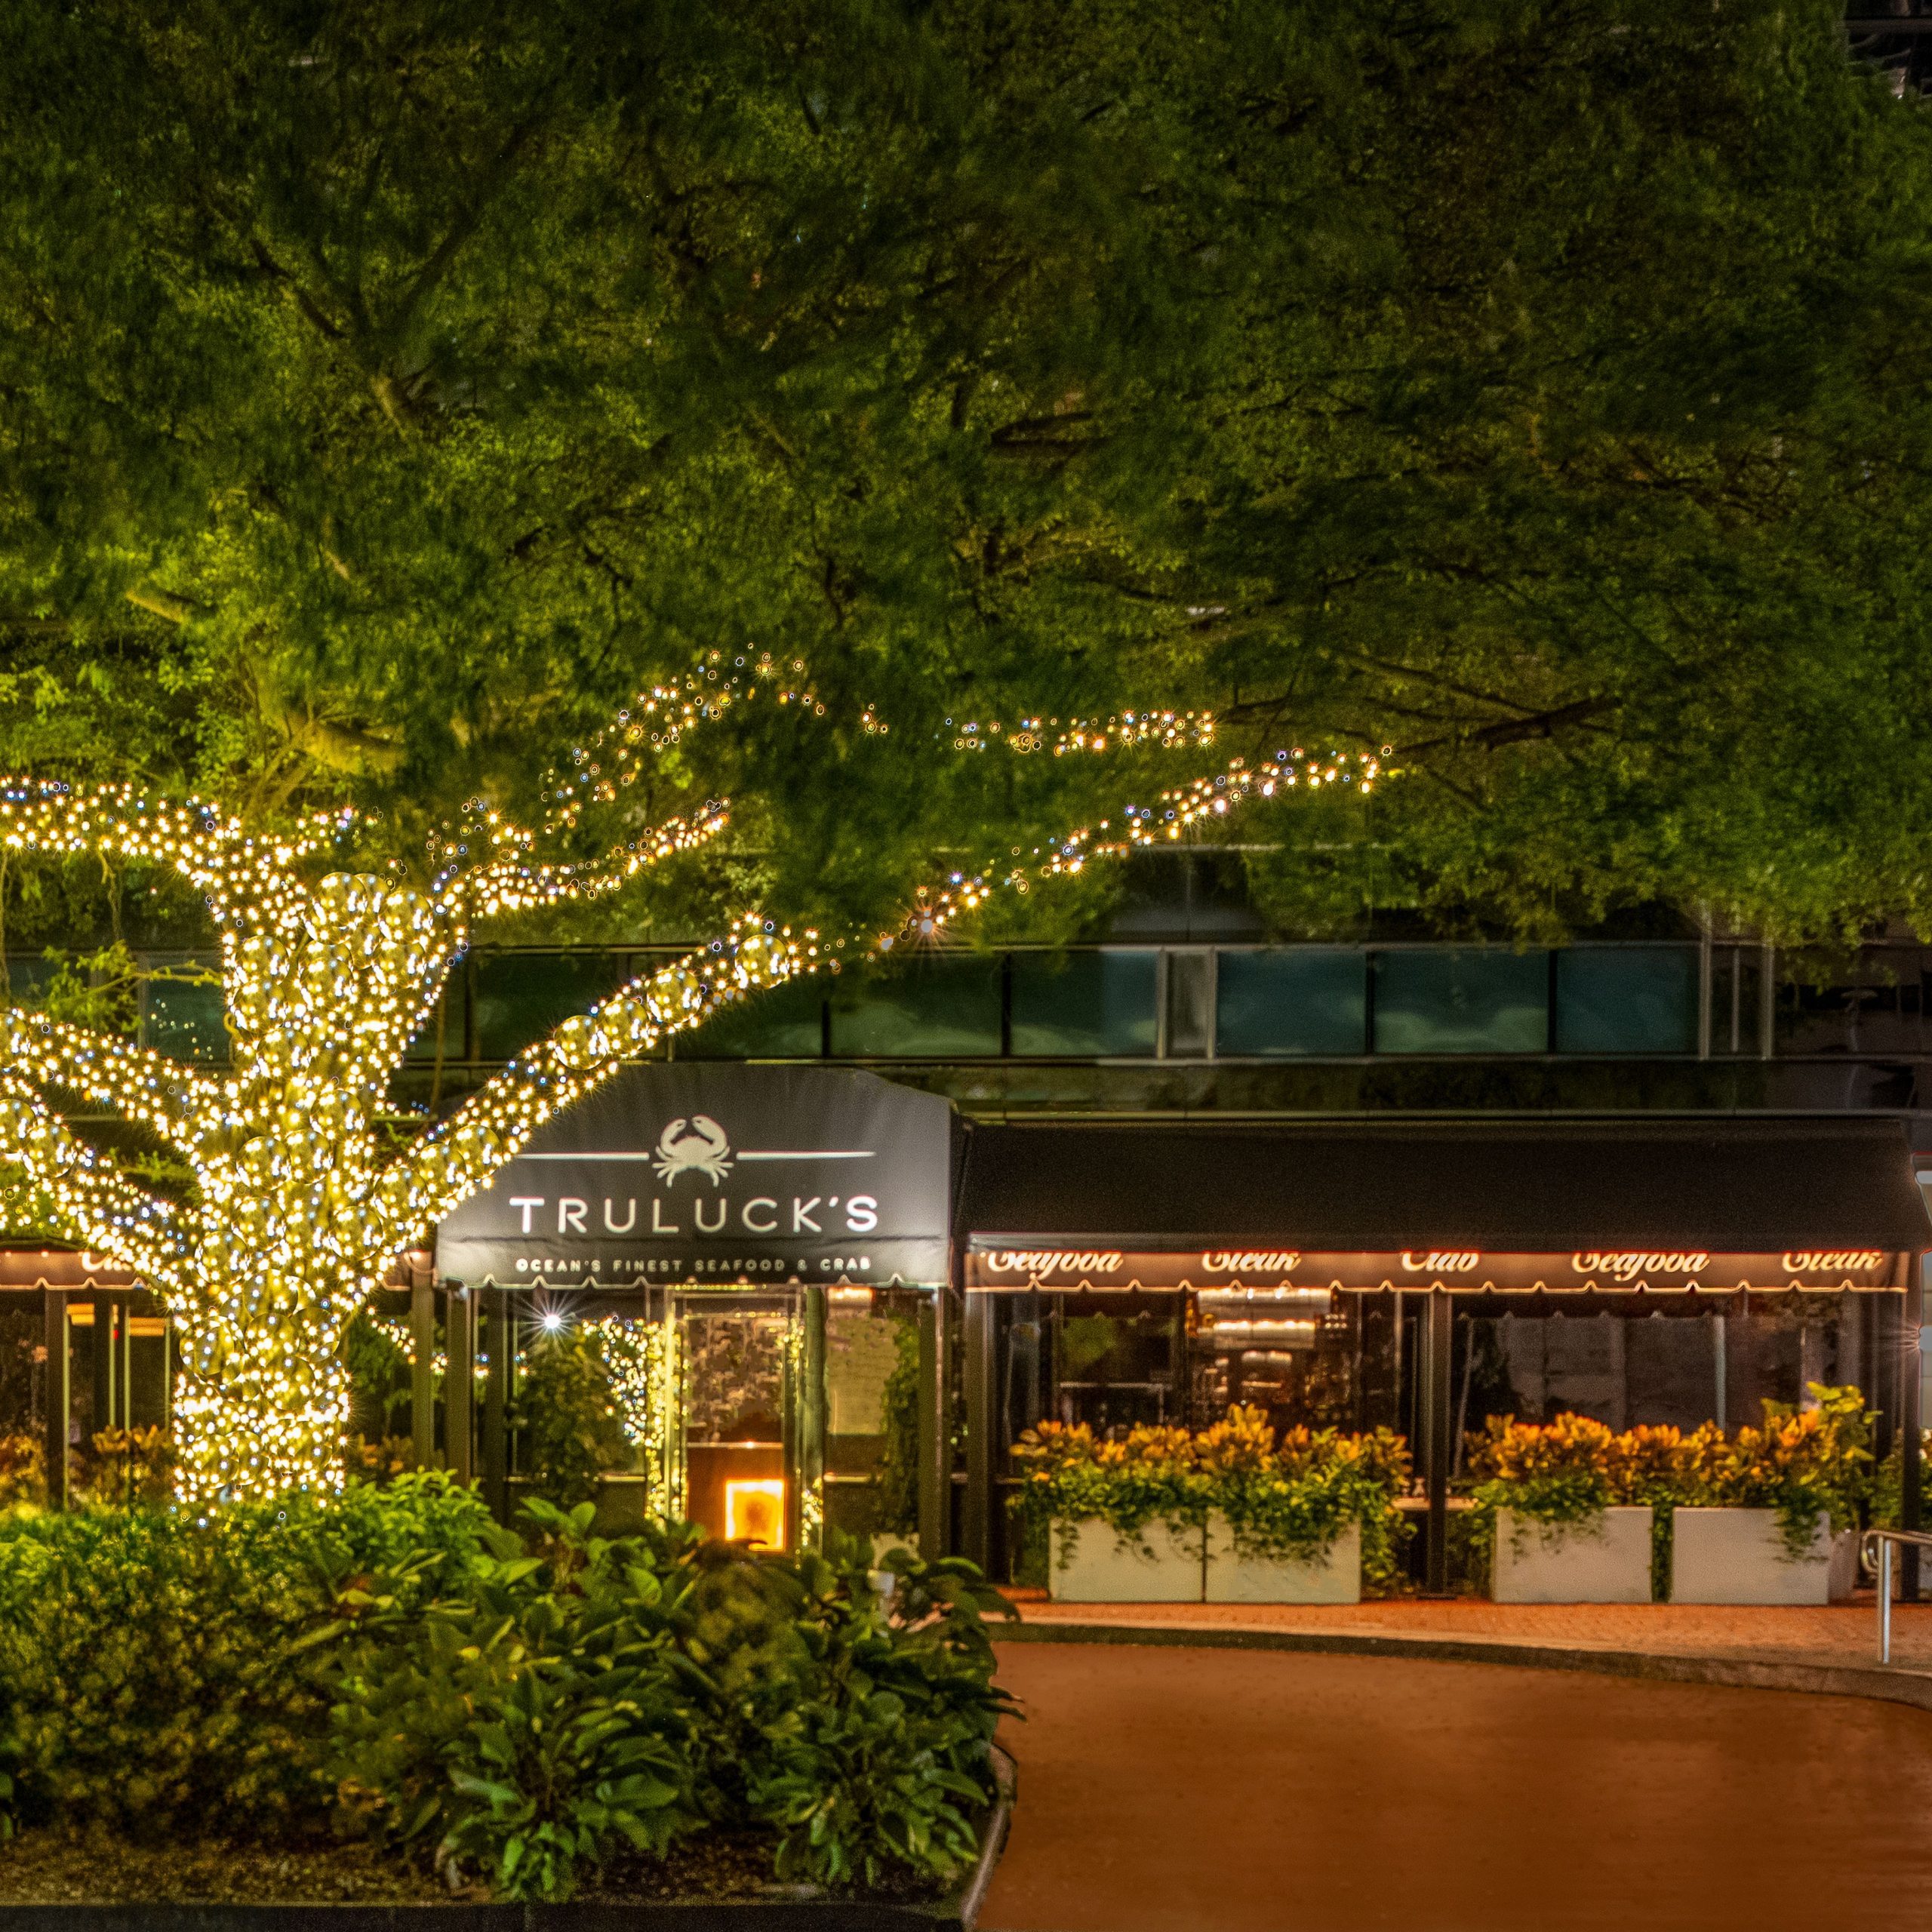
386, 393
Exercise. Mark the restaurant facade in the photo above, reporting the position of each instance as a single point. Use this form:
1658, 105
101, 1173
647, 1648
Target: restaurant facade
834, 1300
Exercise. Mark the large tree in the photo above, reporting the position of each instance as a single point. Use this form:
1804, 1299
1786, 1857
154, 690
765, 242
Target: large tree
390, 394
1530, 385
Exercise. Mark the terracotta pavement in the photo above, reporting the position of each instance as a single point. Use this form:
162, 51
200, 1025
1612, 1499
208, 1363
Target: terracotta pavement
1171, 1789
1840, 1633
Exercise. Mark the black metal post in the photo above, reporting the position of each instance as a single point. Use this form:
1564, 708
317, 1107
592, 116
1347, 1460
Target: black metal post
501, 1339
1432, 1367
1910, 1421
977, 1515
812, 1414
423, 1372
933, 1476
459, 1382
60, 1400
100, 1354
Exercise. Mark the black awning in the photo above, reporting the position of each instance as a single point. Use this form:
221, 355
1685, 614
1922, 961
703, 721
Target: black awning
1513, 1187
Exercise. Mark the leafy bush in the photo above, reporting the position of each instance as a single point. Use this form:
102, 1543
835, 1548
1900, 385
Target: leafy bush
520, 1723
568, 1416
1805, 1464
145, 1673
1147, 1476
896, 1485
579, 1696
22, 1471
521, 1708
126, 1466
1285, 1499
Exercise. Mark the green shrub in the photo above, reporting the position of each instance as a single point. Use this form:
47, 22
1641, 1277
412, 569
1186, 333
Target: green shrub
1289, 1499
569, 1421
146, 1671
522, 1724
22, 1471
523, 1707
860, 1737
1805, 1464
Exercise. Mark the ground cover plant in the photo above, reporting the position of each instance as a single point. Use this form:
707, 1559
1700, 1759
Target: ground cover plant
1805, 1463
1287, 1497
520, 1712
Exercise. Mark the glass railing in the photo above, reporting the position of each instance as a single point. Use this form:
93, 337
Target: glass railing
1238, 1003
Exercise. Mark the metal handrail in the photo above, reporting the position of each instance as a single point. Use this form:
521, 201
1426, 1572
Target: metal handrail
1880, 1541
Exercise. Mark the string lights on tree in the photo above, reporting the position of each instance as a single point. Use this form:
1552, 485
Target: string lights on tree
299, 1202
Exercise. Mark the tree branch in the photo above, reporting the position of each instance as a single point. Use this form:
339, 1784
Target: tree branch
79, 1194
450, 1162
148, 1088
196, 839
1514, 731
510, 884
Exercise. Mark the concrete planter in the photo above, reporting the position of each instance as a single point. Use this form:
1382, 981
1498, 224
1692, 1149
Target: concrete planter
1605, 1561
1163, 1565
1739, 1556
1334, 1576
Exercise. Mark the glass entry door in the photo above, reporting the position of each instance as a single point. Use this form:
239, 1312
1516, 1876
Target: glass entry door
739, 1426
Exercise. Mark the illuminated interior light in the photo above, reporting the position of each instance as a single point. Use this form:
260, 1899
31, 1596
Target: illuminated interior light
754, 1512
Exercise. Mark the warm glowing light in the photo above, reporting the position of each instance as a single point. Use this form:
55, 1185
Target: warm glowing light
754, 1512
302, 1194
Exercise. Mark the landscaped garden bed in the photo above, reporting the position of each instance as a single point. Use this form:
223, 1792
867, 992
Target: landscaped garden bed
383, 1699
1572, 1511
1231, 1513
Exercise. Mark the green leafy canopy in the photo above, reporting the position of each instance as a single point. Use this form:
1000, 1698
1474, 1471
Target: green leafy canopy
388, 392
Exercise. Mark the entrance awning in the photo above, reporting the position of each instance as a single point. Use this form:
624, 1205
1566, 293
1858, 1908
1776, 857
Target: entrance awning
1596, 1204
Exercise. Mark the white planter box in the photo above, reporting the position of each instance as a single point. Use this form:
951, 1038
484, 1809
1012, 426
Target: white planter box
1738, 1556
1844, 1578
1606, 1560
1163, 1566
1334, 1576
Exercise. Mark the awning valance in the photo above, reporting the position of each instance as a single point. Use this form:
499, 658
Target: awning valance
1547, 1188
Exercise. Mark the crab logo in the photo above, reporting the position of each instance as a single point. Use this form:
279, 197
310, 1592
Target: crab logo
696, 1146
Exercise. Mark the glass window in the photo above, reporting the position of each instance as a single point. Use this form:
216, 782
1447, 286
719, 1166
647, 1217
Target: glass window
787, 1022
186, 1022
520, 996
1626, 999
1461, 1000
932, 1008
1100, 1004
450, 1016
1301, 999
27, 977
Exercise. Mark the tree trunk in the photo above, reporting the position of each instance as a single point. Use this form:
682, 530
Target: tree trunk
263, 1404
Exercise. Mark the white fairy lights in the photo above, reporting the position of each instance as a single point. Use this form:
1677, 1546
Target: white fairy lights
1177, 810
298, 1204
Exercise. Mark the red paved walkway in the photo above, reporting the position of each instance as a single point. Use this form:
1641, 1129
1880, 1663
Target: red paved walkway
1840, 1633
1176, 1790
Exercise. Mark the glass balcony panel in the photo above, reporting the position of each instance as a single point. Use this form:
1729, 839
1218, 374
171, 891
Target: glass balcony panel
1085, 1005
520, 996
941, 1008
186, 1022
787, 1022
1627, 999
1291, 1000
1461, 1000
